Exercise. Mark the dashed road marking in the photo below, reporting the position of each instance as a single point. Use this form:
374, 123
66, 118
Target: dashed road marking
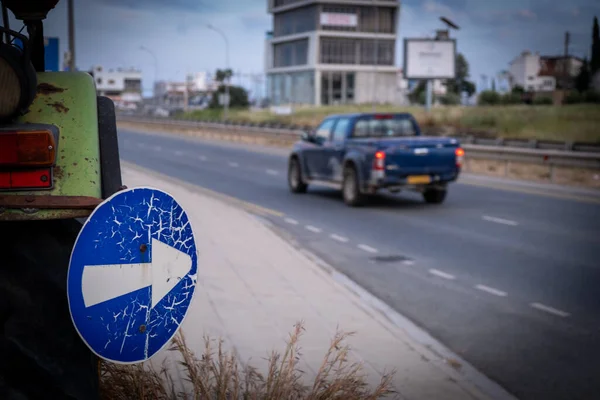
441, 274
291, 221
368, 249
313, 229
202, 158
500, 220
491, 290
272, 172
550, 310
179, 153
234, 164
157, 148
339, 238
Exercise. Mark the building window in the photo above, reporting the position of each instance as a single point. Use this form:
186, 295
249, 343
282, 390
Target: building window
295, 21
357, 51
133, 85
530, 78
99, 81
290, 53
292, 88
111, 81
337, 88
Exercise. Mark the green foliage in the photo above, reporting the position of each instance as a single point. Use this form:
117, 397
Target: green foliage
238, 97
488, 98
223, 74
461, 83
543, 100
582, 82
591, 97
450, 99
595, 60
511, 98
573, 98
518, 89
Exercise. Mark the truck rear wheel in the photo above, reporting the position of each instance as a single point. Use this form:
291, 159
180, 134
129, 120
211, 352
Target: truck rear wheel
295, 177
435, 196
351, 188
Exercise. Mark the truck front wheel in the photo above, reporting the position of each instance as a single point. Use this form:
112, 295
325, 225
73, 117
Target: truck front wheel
435, 196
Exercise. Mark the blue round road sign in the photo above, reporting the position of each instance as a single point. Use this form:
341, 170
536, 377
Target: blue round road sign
132, 275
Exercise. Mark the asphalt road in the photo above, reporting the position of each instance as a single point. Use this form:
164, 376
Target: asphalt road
507, 278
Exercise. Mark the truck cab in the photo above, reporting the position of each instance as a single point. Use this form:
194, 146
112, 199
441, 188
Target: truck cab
362, 154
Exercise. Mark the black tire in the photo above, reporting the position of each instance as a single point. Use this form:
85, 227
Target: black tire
295, 177
435, 196
110, 164
351, 188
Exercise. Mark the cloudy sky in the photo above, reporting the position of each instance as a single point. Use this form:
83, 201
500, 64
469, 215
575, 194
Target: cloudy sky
110, 32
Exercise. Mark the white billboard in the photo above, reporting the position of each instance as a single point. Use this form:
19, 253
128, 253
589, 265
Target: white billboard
429, 59
339, 19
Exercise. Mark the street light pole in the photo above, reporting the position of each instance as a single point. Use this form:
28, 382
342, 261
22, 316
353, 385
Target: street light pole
147, 50
227, 78
71, 27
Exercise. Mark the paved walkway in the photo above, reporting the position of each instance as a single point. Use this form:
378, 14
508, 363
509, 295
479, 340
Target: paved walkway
253, 286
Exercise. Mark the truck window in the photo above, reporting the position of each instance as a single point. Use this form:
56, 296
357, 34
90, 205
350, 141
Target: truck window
339, 132
324, 130
393, 127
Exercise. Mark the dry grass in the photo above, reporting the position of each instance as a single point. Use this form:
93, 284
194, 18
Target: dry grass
217, 374
579, 122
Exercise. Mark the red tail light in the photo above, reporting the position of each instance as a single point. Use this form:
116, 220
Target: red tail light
379, 162
27, 156
460, 155
383, 116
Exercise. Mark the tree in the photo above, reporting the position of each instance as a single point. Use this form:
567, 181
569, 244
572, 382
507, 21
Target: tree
238, 97
461, 83
223, 74
582, 82
595, 56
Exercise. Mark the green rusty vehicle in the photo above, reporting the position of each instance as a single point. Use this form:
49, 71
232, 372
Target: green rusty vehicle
59, 159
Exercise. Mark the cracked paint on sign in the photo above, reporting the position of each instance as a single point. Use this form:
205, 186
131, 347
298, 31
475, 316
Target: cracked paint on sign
127, 326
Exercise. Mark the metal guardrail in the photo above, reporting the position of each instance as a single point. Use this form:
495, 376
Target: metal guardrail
580, 155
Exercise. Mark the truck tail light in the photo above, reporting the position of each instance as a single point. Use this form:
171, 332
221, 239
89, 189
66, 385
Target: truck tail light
27, 157
27, 148
379, 162
460, 155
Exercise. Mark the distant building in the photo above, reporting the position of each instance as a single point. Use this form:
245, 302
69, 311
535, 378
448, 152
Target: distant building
524, 71
544, 73
123, 86
173, 94
332, 52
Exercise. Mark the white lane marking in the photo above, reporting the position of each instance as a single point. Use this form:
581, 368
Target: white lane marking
272, 172
441, 274
313, 229
202, 158
368, 249
233, 164
339, 238
157, 148
291, 221
143, 145
550, 310
500, 220
408, 262
491, 290
179, 153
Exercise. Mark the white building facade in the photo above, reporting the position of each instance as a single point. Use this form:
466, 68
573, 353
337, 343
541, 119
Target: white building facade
524, 71
123, 86
326, 52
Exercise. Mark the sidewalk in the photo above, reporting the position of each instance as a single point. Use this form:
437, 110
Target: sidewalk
253, 286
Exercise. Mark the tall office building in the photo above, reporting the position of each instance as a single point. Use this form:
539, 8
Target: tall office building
326, 52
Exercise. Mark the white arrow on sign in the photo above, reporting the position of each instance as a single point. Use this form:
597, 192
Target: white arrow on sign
105, 282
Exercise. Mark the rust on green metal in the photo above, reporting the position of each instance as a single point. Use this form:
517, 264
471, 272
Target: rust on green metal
68, 101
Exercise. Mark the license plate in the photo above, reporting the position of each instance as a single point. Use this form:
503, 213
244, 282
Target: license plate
419, 179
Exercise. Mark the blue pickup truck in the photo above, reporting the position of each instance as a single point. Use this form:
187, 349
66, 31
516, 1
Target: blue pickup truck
361, 154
